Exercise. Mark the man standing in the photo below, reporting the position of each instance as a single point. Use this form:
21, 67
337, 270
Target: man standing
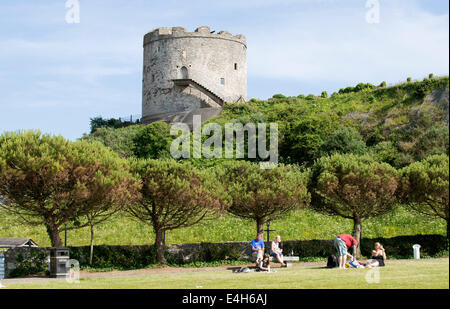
258, 247
342, 243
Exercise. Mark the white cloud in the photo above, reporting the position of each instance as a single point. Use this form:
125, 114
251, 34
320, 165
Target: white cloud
337, 45
94, 67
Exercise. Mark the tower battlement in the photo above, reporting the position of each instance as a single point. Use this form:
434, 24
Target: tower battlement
186, 71
204, 32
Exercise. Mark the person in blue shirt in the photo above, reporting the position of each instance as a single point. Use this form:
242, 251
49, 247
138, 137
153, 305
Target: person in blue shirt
258, 247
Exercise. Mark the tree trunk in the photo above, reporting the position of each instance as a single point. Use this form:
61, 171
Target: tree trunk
53, 233
357, 231
259, 225
448, 235
91, 252
159, 243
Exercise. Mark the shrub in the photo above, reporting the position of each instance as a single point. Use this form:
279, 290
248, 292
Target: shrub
399, 247
119, 257
324, 94
210, 252
279, 96
343, 140
362, 86
153, 141
34, 263
386, 152
137, 257
99, 122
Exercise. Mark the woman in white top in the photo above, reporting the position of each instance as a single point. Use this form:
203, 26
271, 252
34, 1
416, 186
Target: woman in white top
275, 250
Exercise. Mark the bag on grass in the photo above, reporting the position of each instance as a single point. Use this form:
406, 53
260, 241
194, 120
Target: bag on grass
355, 264
332, 261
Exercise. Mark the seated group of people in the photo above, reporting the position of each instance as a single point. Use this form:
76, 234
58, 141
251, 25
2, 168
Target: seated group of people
342, 243
263, 259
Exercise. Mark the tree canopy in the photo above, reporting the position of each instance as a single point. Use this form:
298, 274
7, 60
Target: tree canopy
353, 187
425, 186
52, 181
261, 194
173, 195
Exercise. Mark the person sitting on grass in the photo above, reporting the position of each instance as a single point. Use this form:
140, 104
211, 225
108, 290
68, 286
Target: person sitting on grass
258, 247
276, 251
378, 256
342, 243
264, 264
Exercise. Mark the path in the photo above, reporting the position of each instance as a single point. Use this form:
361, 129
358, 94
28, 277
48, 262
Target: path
165, 270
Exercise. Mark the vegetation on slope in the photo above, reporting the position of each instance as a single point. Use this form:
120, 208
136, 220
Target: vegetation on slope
399, 124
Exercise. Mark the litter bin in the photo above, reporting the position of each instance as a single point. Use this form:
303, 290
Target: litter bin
416, 249
58, 262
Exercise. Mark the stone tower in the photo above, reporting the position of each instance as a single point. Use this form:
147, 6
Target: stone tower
188, 73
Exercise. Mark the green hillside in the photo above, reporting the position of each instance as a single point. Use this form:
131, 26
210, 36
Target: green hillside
398, 125
298, 225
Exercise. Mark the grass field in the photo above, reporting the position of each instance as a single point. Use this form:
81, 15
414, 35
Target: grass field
399, 274
299, 225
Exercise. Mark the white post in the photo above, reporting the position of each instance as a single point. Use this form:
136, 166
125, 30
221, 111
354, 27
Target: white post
416, 250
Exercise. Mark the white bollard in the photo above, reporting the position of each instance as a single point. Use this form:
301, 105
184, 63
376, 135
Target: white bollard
416, 249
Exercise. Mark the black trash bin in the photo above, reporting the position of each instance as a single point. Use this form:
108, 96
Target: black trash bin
59, 267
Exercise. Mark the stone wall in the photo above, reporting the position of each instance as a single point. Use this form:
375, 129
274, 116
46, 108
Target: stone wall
12, 255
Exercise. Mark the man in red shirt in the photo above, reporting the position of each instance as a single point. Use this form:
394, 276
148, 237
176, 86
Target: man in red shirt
342, 243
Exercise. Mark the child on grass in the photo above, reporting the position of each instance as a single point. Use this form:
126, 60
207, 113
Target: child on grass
264, 264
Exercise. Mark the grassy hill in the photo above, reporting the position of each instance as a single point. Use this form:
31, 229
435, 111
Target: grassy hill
398, 124
299, 225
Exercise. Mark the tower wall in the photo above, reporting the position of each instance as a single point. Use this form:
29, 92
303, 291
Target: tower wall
217, 63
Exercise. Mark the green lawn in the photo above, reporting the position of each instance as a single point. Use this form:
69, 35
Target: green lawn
298, 225
399, 274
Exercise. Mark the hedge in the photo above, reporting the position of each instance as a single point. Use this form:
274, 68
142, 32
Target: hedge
399, 247
132, 257
135, 257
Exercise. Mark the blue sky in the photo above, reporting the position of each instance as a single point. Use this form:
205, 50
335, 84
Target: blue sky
54, 76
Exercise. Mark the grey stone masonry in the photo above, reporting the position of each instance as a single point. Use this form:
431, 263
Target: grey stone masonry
186, 71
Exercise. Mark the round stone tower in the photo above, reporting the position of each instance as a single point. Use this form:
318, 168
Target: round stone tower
187, 71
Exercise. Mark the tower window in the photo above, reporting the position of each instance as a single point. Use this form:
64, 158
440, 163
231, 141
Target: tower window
222, 81
235, 66
184, 73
